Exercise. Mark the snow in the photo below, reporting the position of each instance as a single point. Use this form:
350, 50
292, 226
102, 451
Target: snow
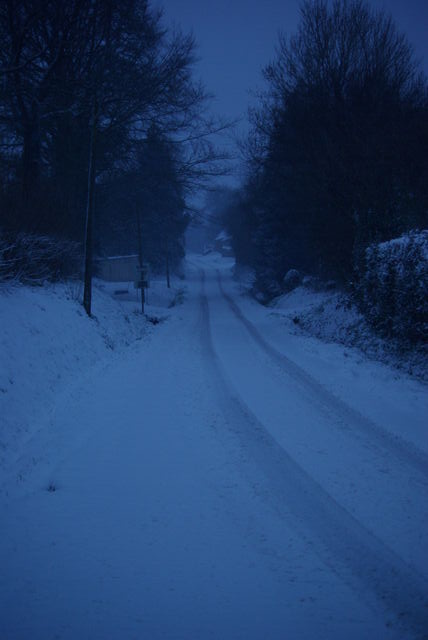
300, 300
331, 317
48, 344
213, 476
328, 341
223, 236
400, 244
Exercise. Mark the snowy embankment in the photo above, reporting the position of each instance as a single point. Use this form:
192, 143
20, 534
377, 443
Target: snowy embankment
330, 316
48, 345
331, 341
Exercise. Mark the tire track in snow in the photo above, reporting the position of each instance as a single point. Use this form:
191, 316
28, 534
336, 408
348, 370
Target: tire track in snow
348, 417
360, 559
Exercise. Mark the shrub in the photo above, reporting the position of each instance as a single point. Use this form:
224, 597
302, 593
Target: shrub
291, 280
266, 285
394, 287
33, 259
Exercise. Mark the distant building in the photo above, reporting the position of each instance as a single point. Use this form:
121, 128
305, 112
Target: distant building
117, 268
222, 244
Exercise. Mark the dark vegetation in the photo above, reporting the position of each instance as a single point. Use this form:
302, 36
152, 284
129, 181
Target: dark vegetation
104, 135
337, 164
98, 84
394, 285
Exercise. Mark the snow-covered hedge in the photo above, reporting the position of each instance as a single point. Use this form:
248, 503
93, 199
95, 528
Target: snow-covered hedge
33, 259
394, 288
266, 285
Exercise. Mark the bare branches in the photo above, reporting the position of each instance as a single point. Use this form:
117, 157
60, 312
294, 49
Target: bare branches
336, 155
60, 58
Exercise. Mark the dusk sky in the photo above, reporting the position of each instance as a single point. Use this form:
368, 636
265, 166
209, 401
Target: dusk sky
236, 39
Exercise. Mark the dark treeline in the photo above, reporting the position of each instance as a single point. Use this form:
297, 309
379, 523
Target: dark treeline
99, 83
337, 155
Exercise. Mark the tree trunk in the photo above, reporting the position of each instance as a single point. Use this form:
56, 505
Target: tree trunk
31, 159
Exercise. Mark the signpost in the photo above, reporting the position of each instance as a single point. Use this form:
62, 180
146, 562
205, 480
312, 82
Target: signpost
142, 281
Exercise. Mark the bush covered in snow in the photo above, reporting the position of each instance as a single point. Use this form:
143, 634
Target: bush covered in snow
393, 292
266, 286
33, 259
291, 279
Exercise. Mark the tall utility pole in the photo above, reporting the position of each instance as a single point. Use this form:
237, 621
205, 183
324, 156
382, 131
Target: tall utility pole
140, 254
87, 292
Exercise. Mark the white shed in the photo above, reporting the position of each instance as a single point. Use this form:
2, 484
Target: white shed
117, 268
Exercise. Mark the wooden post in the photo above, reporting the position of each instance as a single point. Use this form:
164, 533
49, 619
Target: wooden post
168, 283
140, 253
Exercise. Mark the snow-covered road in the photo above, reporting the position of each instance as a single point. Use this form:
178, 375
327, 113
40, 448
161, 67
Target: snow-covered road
209, 485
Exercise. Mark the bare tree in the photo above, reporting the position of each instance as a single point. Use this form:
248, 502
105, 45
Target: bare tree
337, 154
82, 83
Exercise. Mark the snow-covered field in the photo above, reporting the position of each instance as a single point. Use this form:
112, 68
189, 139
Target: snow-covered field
211, 476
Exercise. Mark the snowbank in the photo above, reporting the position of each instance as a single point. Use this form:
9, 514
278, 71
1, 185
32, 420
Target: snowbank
48, 344
332, 317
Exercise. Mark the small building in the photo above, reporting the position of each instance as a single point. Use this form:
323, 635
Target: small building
222, 244
117, 268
